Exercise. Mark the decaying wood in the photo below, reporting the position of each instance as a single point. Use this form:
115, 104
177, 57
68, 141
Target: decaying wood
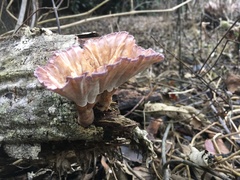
28, 112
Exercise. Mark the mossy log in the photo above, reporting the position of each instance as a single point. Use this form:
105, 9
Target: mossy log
28, 112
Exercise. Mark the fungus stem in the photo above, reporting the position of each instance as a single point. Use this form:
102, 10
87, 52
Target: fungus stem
104, 100
85, 115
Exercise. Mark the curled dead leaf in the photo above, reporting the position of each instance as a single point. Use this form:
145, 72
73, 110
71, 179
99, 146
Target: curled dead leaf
199, 157
182, 113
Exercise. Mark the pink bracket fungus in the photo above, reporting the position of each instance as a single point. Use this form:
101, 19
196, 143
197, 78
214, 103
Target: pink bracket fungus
90, 75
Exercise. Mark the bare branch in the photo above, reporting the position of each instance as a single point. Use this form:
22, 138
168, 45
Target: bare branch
21, 14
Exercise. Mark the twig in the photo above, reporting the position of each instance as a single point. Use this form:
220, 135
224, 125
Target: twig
182, 92
219, 42
228, 117
133, 172
193, 165
215, 143
222, 122
100, 17
164, 159
140, 101
58, 7
179, 37
7, 9
21, 14
231, 134
34, 16
202, 131
56, 15
219, 56
1, 13
25, 21
131, 2
229, 170
76, 15
189, 69
121, 14
229, 157
156, 171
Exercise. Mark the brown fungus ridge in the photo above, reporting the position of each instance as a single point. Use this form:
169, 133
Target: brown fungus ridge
90, 75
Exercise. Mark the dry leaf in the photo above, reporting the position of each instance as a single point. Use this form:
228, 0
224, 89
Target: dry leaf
186, 149
199, 157
222, 147
209, 146
142, 172
182, 113
153, 127
131, 155
233, 82
177, 177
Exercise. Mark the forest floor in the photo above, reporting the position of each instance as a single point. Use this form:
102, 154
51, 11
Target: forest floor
189, 104
191, 99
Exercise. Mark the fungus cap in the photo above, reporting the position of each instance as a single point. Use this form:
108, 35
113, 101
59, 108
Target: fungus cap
103, 64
